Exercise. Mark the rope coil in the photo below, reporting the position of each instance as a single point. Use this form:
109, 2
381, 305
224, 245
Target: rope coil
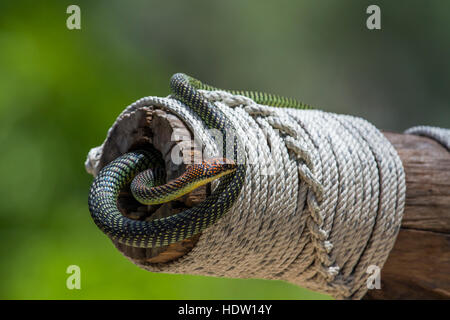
440, 135
322, 201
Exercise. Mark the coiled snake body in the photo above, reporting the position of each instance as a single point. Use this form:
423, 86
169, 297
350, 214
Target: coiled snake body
146, 186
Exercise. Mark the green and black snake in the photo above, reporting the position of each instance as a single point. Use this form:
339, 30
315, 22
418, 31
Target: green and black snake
146, 183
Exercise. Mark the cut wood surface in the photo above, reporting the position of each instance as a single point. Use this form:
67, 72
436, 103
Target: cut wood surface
171, 134
418, 267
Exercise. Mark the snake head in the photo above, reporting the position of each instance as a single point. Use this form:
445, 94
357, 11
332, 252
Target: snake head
218, 167
211, 169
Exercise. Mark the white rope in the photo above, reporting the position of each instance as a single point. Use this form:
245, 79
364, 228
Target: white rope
322, 201
441, 135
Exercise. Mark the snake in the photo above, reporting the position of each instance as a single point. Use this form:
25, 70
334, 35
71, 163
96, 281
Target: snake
143, 172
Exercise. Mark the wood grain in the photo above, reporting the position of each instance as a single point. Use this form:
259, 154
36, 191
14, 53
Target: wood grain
418, 266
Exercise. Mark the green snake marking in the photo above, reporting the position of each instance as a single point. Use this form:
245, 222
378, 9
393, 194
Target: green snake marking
146, 186
259, 97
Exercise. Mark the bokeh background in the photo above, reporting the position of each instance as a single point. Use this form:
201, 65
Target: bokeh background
61, 89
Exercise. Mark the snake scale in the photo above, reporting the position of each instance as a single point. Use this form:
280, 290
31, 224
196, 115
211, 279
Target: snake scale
147, 185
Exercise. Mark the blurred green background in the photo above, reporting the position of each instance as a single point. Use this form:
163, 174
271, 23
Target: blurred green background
61, 89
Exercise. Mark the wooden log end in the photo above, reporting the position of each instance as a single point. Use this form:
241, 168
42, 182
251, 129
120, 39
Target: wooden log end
170, 132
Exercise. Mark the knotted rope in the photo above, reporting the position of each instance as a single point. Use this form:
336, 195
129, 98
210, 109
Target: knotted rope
322, 202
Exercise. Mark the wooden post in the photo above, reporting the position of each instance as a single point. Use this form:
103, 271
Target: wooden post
417, 267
